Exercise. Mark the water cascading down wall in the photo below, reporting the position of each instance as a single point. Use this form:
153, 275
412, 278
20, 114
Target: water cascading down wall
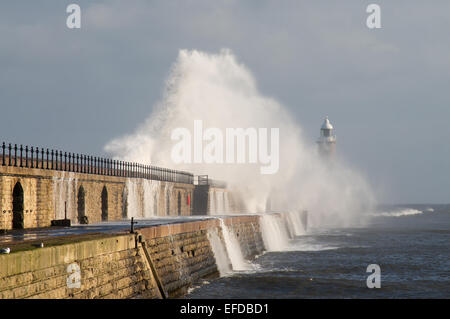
160, 261
38, 186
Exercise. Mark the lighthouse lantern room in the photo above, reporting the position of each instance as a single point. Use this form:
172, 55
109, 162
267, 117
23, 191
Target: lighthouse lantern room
327, 139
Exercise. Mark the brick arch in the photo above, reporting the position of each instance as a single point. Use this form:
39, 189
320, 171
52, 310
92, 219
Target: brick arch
104, 199
18, 204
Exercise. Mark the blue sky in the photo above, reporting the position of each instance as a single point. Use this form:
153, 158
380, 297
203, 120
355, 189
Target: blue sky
386, 91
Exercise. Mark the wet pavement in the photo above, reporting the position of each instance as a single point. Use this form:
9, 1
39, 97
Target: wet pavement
17, 236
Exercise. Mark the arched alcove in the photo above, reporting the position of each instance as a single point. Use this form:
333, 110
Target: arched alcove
104, 204
18, 222
81, 206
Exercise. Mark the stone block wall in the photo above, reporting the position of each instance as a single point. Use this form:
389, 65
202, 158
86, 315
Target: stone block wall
248, 233
49, 195
109, 268
117, 266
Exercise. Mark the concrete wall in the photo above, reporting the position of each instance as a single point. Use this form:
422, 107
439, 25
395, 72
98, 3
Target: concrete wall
49, 195
118, 267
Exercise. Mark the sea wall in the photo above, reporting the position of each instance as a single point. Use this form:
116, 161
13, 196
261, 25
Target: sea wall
214, 200
111, 267
155, 262
40, 196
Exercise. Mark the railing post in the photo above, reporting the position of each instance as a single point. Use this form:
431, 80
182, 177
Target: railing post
128, 169
21, 155
15, 154
95, 165
26, 156
52, 152
32, 154
37, 157
3, 154
9, 155
42, 158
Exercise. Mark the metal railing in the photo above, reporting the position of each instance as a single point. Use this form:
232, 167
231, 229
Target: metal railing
49, 159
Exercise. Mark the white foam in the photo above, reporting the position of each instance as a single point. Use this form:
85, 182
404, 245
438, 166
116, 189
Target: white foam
399, 213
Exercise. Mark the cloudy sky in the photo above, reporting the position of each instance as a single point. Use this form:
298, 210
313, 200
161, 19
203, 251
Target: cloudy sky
386, 91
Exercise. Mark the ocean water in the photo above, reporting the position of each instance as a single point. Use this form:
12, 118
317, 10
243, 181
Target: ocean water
410, 243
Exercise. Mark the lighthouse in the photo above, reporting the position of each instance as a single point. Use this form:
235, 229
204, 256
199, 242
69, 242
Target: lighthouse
327, 140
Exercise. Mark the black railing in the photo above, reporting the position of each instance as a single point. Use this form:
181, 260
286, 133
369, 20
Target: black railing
35, 157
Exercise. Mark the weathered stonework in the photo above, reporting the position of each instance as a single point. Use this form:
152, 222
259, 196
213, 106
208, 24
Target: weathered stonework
50, 194
109, 268
118, 267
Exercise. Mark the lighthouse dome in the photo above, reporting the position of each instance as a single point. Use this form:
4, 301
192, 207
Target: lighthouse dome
326, 124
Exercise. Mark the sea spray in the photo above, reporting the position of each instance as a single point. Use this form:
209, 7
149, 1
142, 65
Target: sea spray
142, 196
220, 252
168, 190
274, 232
222, 92
226, 203
212, 203
133, 198
233, 249
294, 223
398, 213
64, 189
151, 190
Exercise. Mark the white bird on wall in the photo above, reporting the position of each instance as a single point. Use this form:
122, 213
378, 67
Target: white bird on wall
5, 250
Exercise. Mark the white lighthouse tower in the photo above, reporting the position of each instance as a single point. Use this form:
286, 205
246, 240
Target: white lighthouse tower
327, 140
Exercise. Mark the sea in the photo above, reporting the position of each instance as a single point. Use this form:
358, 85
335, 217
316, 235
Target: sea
408, 244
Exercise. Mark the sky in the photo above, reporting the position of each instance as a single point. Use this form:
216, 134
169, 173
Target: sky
386, 91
